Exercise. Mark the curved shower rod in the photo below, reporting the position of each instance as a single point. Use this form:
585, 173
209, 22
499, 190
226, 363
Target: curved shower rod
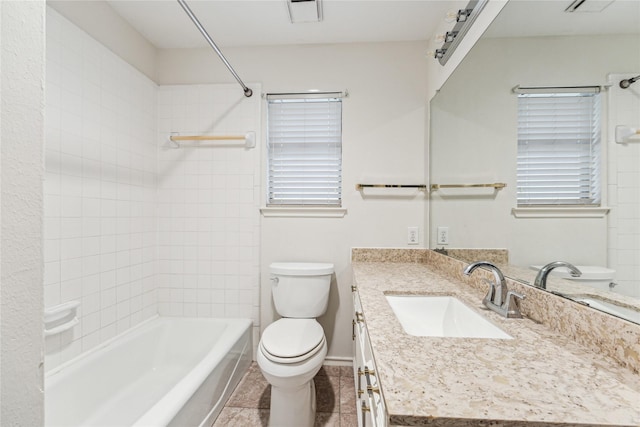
247, 92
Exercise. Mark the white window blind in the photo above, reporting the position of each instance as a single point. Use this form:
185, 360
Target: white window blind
304, 139
559, 148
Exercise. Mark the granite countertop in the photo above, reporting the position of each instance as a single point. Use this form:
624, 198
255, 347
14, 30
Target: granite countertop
538, 378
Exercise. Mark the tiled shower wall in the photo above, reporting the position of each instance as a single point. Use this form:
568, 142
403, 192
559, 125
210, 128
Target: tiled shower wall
100, 189
624, 187
134, 228
209, 199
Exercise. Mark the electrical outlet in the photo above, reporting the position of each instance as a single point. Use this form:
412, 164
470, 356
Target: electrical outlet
443, 235
413, 235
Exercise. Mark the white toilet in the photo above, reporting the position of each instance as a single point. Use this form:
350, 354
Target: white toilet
292, 349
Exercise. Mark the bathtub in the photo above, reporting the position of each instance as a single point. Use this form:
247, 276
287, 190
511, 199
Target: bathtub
165, 372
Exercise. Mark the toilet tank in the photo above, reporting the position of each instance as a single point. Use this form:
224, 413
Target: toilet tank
592, 275
300, 290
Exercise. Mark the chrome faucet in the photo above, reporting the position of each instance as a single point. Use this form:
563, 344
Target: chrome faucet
499, 298
541, 277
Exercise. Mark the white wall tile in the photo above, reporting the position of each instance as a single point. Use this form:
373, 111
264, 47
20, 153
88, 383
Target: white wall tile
205, 193
95, 139
624, 190
132, 228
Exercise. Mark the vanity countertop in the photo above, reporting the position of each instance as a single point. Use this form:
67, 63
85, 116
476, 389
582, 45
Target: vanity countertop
538, 378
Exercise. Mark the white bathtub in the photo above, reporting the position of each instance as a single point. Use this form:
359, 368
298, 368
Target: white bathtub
165, 372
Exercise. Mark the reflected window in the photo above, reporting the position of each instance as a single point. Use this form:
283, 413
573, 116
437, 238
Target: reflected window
559, 148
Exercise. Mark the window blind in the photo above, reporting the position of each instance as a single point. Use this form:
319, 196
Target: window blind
558, 149
304, 141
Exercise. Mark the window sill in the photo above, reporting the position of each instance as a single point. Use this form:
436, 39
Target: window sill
302, 212
561, 212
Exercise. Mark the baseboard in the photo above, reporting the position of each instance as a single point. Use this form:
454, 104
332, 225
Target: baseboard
338, 361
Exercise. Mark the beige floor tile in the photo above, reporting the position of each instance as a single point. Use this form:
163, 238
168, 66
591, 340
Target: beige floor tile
333, 371
348, 420
347, 395
249, 403
327, 419
327, 393
346, 371
242, 417
253, 391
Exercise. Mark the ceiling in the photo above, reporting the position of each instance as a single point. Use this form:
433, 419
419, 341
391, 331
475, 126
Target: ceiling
532, 18
266, 22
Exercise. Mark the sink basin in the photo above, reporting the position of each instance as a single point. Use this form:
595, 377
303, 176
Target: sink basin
441, 316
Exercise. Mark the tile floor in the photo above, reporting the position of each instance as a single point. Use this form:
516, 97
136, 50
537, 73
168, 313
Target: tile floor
248, 406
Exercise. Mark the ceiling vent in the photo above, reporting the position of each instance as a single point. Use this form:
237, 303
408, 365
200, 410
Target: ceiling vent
304, 10
593, 6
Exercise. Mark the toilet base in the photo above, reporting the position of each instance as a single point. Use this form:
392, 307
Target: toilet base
293, 407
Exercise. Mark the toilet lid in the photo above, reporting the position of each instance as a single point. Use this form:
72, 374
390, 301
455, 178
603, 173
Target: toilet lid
290, 338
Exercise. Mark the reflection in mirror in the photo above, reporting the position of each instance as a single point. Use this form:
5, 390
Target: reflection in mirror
474, 139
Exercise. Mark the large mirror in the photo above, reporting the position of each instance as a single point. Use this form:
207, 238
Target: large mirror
474, 140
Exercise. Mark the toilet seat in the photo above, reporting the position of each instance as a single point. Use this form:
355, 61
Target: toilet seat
292, 340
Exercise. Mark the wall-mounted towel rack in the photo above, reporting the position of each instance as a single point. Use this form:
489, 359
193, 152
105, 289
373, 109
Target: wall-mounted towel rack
496, 185
417, 186
249, 139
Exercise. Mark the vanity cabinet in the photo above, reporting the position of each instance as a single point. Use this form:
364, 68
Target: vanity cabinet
369, 401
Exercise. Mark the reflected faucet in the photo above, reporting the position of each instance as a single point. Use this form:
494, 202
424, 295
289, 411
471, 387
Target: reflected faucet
498, 298
541, 277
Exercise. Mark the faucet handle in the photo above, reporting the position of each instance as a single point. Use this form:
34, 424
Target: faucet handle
488, 298
512, 304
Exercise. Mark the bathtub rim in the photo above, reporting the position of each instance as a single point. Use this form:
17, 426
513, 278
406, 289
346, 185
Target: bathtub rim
181, 391
97, 348
88, 353
170, 404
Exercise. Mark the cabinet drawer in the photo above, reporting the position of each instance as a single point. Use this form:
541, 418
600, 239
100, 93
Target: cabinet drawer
370, 404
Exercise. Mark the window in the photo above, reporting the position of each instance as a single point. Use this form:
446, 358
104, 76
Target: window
559, 147
304, 142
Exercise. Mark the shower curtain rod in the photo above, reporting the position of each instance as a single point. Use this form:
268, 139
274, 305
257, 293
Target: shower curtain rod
247, 92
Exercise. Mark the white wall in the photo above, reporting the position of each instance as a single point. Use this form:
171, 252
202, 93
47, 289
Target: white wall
98, 19
383, 142
21, 139
100, 190
473, 140
208, 200
624, 185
